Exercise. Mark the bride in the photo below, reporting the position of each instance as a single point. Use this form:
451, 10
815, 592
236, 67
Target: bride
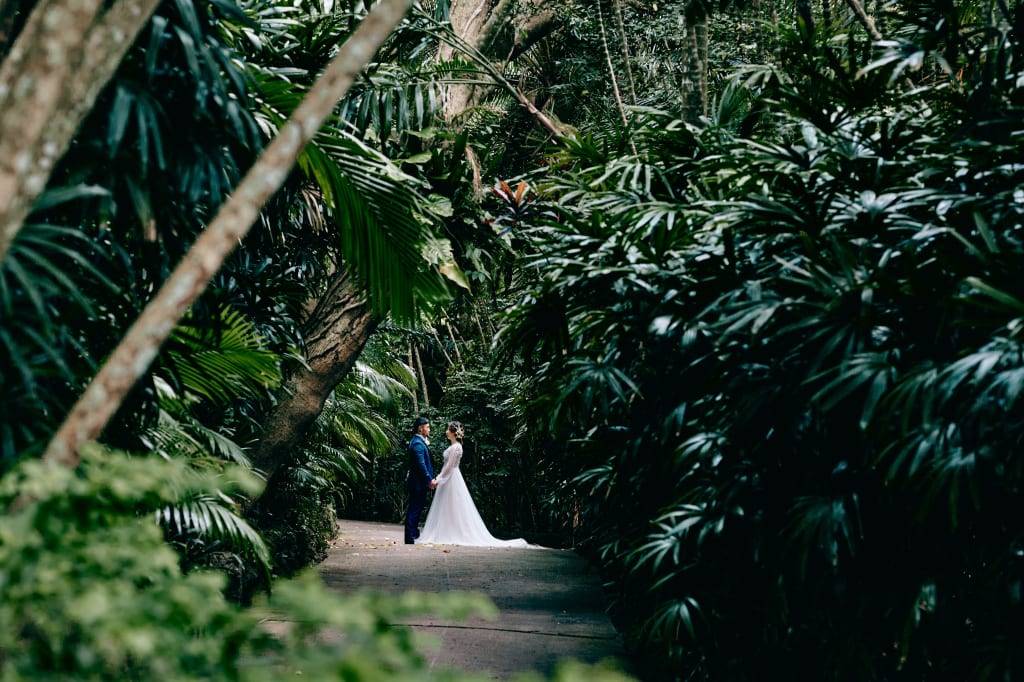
453, 518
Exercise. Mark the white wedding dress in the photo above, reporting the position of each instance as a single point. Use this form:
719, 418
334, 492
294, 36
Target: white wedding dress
453, 518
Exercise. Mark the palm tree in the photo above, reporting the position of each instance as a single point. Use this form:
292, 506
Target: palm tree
381, 254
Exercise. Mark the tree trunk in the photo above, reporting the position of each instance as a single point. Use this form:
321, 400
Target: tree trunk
140, 345
611, 74
338, 330
694, 87
415, 394
702, 46
475, 22
422, 377
497, 30
56, 68
627, 60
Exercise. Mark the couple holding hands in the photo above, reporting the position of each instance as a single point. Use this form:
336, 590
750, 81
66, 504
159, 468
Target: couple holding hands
453, 518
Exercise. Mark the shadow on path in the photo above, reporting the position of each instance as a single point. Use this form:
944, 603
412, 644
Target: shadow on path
550, 601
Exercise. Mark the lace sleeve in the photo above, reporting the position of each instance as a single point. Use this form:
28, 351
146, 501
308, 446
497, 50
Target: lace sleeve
453, 462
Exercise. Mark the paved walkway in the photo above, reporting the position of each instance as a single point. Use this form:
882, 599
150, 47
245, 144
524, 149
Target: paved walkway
550, 602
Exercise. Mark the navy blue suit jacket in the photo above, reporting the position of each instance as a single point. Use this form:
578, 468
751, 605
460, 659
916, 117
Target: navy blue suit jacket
421, 469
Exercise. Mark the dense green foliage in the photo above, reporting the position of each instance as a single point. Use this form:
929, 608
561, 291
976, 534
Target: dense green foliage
766, 364
105, 567
147, 168
198, 94
784, 347
91, 590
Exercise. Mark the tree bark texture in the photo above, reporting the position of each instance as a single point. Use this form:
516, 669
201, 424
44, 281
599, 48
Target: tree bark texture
415, 394
865, 19
695, 70
337, 331
9, 10
139, 347
475, 22
499, 30
611, 74
626, 58
422, 377
49, 81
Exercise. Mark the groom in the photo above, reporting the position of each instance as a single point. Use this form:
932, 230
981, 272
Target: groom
421, 478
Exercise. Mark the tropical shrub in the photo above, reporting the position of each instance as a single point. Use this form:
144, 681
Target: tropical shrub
785, 345
90, 590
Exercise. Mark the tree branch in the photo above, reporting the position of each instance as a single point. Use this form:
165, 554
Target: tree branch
868, 22
876, 35
541, 117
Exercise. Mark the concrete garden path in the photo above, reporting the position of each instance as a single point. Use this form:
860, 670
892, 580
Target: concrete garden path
550, 601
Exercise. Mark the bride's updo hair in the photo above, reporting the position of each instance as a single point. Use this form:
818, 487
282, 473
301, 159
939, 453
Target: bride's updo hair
456, 428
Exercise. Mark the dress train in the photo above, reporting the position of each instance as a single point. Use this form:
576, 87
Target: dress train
453, 518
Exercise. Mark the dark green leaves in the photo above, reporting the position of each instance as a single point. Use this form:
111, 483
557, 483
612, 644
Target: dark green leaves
791, 364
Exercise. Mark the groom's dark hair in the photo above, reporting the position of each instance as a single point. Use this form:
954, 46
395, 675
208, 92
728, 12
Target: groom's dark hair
420, 421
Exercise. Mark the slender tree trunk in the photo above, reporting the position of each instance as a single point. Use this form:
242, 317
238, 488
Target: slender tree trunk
340, 326
773, 12
440, 345
415, 394
869, 25
611, 73
695, 71
455, 343
864, 19
52, 75
702, 47
485, 340
140, 345
625, 52
422, 377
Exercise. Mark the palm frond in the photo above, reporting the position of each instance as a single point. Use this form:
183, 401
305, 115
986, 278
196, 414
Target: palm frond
208, 519
221, 363
384, 234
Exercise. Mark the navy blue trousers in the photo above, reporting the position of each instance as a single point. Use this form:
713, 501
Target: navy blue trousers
417, 501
